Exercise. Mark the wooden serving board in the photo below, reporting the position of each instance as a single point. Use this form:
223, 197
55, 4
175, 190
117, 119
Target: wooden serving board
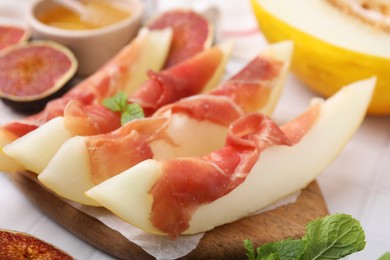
225, 242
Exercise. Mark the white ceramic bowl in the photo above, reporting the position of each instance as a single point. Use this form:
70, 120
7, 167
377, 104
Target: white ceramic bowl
91, 47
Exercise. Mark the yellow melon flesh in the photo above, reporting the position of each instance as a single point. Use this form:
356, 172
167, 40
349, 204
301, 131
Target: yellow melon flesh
68, 179
275, 176
7, 163
38, 147
331, 49
153, 44
227, 48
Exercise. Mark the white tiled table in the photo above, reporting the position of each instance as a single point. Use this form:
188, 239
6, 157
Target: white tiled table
357, 182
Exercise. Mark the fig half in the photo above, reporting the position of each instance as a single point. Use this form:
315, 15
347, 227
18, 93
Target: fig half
33, 73
12, 34
192, 33
18, 245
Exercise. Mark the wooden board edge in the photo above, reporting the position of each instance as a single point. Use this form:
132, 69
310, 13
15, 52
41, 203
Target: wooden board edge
225, 242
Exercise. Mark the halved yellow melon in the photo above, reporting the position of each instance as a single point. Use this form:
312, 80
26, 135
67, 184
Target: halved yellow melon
332, 48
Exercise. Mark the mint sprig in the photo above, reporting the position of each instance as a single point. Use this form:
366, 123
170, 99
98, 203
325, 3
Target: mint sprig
332, 237
129, 111
385, 256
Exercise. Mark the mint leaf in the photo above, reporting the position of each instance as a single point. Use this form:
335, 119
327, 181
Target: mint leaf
333, 237
285, 250
119, 103
386, 256
250, 249
131, 112
282, 250
272, 256
116, 103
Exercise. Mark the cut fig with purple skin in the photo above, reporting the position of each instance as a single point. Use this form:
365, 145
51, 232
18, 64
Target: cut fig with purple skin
192, 33
17, 245
32, 74
11, 35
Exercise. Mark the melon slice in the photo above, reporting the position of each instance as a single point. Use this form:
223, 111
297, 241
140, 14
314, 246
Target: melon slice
38, 147
54, 133
227, 48
153, 43
127, 194
185, 132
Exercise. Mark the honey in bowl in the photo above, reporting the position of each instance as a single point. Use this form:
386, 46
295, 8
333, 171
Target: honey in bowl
102, 13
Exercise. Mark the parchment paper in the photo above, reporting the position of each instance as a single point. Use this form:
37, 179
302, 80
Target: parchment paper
161, 247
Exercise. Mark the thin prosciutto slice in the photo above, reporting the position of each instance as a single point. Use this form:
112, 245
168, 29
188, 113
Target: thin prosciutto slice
80, 119
128, 146
182, 80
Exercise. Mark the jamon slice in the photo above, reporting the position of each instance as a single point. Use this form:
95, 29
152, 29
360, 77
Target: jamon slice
184, 79
116, 75
193, 126
152, 188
